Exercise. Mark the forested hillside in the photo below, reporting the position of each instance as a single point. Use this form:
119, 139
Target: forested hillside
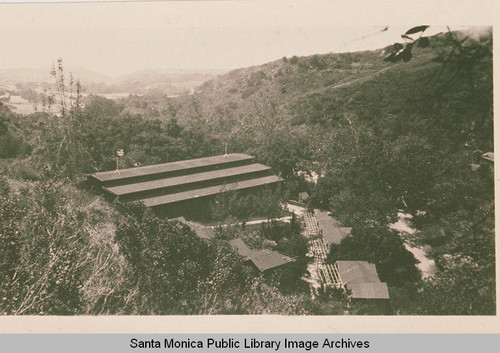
383, 137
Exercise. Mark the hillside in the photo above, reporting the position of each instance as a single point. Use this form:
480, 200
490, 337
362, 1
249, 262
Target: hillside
282, 80
382, 138
280, 86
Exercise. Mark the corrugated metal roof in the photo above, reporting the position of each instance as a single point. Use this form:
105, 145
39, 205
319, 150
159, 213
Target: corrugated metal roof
267, 260
369, 290
205, 233
213, 190
263, 260
357, 271
362, 279
241, 247
169, 167
185, 179
332, 234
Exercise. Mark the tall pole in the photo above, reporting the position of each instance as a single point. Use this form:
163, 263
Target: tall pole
117, 169
225, 150
119, 153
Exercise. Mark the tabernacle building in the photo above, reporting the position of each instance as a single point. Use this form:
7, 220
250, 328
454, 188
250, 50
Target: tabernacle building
185, 188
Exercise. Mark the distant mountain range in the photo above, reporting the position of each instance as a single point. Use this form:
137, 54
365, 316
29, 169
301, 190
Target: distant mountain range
164, 81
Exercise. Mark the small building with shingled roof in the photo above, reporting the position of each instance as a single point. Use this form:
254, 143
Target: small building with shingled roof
361, 278
329, 228
262, 260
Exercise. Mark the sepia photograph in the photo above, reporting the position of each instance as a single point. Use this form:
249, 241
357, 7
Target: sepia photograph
230, 158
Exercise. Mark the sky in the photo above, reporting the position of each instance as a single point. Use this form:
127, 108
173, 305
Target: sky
120, 38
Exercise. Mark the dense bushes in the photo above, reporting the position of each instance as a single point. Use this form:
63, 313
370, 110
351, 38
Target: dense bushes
265, 203
43, 249
174, 270
167, 258
384, 248
385, 138
57, 254
61, 253
415, 144
10, 146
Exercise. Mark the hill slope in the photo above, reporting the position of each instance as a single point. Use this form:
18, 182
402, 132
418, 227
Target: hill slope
383, 137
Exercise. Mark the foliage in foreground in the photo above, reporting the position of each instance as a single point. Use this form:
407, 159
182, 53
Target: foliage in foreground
57, 256
380, 138
174, 270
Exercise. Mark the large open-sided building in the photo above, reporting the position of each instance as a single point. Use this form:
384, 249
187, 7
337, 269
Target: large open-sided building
185, 188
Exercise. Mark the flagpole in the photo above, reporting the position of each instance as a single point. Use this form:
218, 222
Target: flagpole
119, 153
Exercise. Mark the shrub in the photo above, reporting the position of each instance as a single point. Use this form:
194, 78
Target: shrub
175, 271
9, 146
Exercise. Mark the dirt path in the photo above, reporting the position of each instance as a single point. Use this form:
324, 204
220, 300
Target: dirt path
427, 266
348, 83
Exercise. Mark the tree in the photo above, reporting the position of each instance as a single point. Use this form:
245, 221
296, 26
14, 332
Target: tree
268, 203
12, 209
461, 287
384, 248
457, 51
355, 185
61, 151
167, 258
221, 291
10, 145
231, 205
290, 275
175, 271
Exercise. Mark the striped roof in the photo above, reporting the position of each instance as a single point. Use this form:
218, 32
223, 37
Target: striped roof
213, 190
185, 179
170, 167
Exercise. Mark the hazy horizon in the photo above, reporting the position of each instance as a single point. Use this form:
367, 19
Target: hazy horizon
117, 39
73, 69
